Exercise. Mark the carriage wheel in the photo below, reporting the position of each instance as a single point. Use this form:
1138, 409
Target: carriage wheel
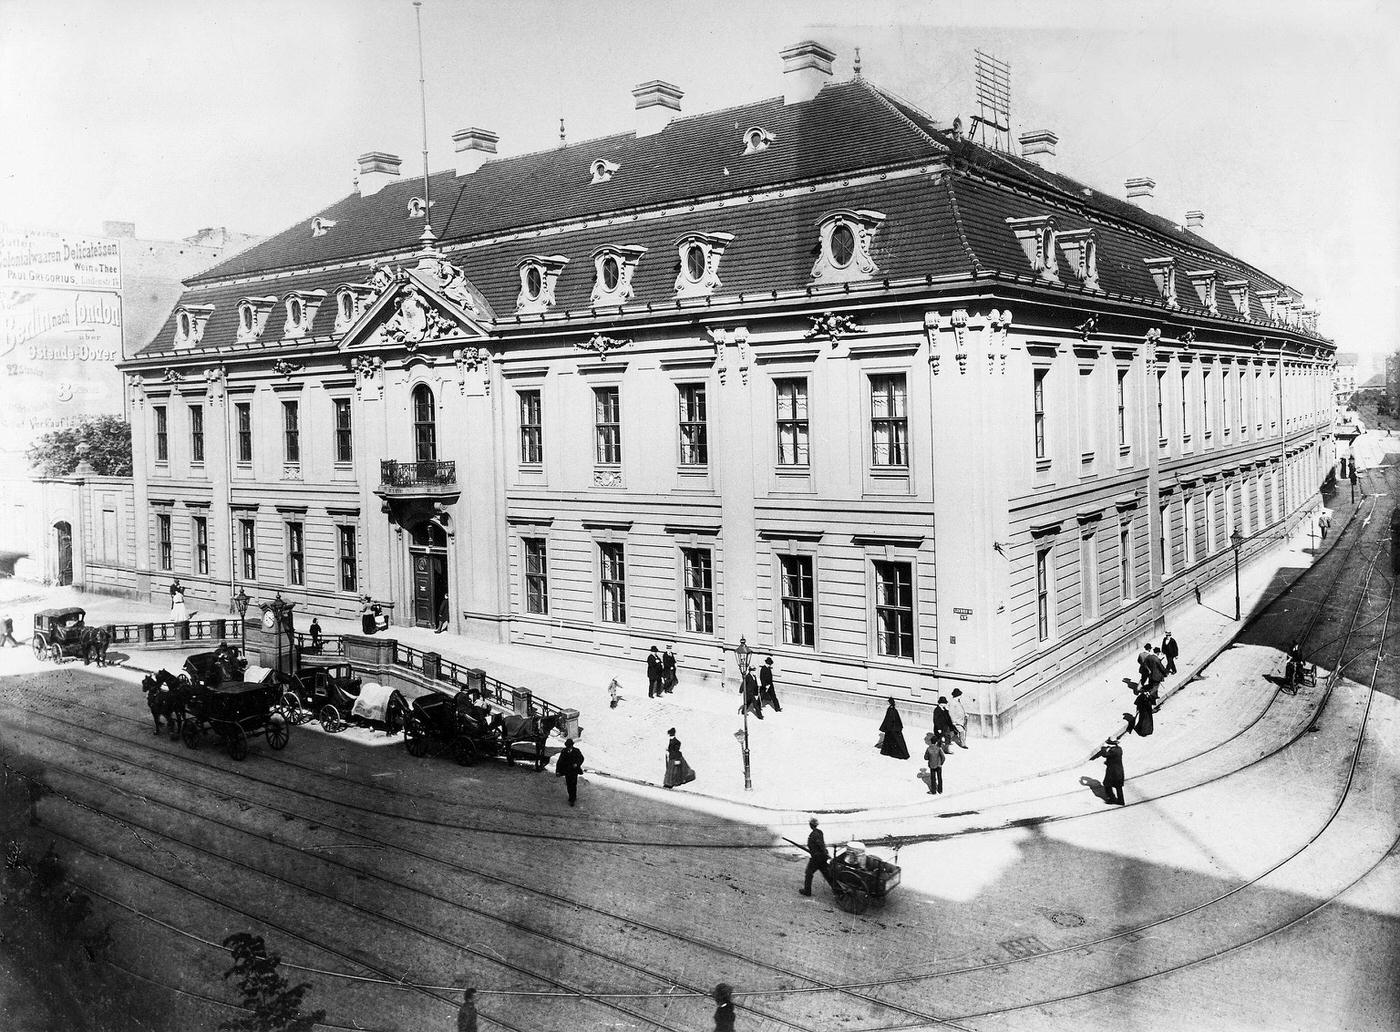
330, 719
292, 705
278, 730
851, 895
238, 744
414, 738
189, 733
56, 652
463, 751
41, 647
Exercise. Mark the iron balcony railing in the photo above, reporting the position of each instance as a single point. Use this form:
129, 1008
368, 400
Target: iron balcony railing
417, 474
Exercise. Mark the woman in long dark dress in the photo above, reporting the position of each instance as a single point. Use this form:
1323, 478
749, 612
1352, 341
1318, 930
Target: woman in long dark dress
1144, 704
892, 728
678, 772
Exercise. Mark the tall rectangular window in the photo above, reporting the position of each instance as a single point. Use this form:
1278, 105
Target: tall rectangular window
1123, 408
1164, 541
1086, 416
1089, 577
344, 437
291, 431
798, 600
1188, 531
695, 446
792, 422
1185, 396
201, 544
1039, 398
536, 576
531, 428
296, 558
1205, 402
612, 582
894, 609
1125, 562
1210, 523
1161, 415
697, 566
889, 421
349, 567
1042, 593
248, 545
607, 425
244, 415
162, 434
197, 433
163, 539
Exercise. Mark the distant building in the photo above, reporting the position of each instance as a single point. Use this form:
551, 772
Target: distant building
1344, 380
907, 413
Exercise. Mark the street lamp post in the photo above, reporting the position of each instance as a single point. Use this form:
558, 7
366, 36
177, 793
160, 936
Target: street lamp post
1236, 540
743, 656
240, 602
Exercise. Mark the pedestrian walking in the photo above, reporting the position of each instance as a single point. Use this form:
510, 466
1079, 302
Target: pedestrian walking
1144, 704
1156, 670
1143, 657
678, 772
653, 673
818, 859
933, 756
942, 719
959, 714
724, 1007
569, 766
8, 626
1112, 755
767, 691
668, 671
892, 735
1170, 651
466, 1014
753, 699
178, 612
614, 694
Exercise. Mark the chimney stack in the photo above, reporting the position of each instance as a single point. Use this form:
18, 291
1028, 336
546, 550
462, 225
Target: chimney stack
806, 69
475, 147
1140, 191
377, 170
1195, 221
1038, 146
657, 103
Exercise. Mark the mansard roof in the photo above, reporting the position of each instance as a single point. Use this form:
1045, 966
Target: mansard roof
945, 200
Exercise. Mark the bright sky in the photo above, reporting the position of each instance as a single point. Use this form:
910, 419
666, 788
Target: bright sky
1281, 121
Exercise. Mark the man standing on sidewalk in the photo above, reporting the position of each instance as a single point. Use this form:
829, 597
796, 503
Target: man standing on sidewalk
1144, 659
1170, 651
653, 673
959, 715
1112, 755
818, 859
767, 691
569, 766
668, 671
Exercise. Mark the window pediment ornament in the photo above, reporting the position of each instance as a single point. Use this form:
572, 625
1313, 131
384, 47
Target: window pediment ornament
190, 321
1036, 235
612, 274
1081, 249
1239, 294
700, 254
351, 300
847, 245
1204, 280
252, 317
416, 322
302, 306
1163, 272
539, 274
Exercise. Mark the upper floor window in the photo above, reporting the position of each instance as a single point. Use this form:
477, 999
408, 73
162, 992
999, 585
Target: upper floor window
792, 421
536, 576
695, 449
349, 567
1082, 251
613, 268
1036, 235
296, 554
291, 431
201, 544
1122, 408
1039, 409
344, 439
1161, 416
889, 422
190, 321
162, 434
252, 317
424, 425
197, 433
607, 425
847, 245
243, 414
1042, 593
301, 308
602, 170
1125, 561
163, 539
700, 255
248, 547
531, 428
539, 273
757, 140
1163, 272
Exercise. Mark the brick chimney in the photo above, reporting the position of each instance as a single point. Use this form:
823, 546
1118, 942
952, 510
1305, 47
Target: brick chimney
475, 147
657, 103
806, 69
1038, 146
376, 171
1195, 221
1140, 191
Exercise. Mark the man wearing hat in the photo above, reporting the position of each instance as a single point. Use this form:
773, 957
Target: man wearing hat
653, 673
1170, 651
569, 766
466, 1015
1112, 755
818, 859
767, 691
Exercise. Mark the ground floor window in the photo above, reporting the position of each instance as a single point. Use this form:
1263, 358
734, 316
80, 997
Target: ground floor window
349, 573
612, 582
536, 576
697, 564
163, 541
894, 609
247, 536
798, 598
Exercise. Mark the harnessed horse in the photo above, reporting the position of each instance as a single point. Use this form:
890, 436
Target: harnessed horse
165, 697
94, 642
534, 729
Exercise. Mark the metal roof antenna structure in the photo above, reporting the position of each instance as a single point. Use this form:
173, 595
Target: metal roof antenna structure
428, 235
993, 77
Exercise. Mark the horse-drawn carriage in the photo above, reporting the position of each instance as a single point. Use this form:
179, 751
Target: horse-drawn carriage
333, 694
233, 711
466, 728
62, 634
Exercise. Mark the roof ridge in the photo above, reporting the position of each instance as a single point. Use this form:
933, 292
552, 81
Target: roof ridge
958, 221
895, 106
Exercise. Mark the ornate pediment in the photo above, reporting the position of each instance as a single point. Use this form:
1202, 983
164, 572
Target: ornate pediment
415, 306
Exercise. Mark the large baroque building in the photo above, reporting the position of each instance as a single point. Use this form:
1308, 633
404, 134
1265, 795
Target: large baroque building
906, 412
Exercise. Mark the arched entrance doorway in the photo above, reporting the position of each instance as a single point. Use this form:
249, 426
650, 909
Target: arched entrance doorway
63, 537
427, 555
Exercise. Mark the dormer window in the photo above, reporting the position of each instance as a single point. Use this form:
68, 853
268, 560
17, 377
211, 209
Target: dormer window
613, 268
301, 308
1239, 294
190, 321
321, 226
1081, 249
538, 275
1268, 299
847, 245
418, 208
699, 266
252, 317
603, 170
350, 301
295, 311
1036, 235
1204, 281
757, 139
1163, 272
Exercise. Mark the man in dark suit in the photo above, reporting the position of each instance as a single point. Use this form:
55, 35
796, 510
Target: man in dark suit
668, 671
767, 692
943, 728
1112, 755
818, 859
653, 673
569, 766
1170, 651
1143, 657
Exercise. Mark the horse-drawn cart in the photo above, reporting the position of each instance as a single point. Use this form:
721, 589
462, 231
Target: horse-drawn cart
336, 696
436, 722
235, 711
61, 634
859, 877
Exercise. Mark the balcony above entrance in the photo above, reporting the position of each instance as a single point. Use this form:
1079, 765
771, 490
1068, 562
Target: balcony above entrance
436, 479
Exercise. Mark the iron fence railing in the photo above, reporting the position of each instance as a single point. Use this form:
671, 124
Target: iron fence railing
394, 473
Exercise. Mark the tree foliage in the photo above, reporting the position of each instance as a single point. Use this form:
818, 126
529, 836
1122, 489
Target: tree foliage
108, 440
274, 1005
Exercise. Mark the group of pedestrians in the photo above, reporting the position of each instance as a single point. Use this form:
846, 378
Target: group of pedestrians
949, 729
1155, 664
662, 677
759, 690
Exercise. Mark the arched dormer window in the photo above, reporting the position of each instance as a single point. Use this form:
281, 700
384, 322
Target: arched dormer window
538, 275
301, 307
612, 274
424, 425
1036, 235
190, 321
700, 254
320, 226
1081, 249
1204, 280
847, 240
602, 170
252, 317
350, 301
756, 140
185, 325
1163, 272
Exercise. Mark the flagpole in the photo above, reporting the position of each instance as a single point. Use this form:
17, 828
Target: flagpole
423, 99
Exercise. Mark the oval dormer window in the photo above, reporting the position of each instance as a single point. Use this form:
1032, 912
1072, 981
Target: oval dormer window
610, 273
843, 245
534, 283
755, 140
245, 319
294, 310
184, 325
695, 262
347, 308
